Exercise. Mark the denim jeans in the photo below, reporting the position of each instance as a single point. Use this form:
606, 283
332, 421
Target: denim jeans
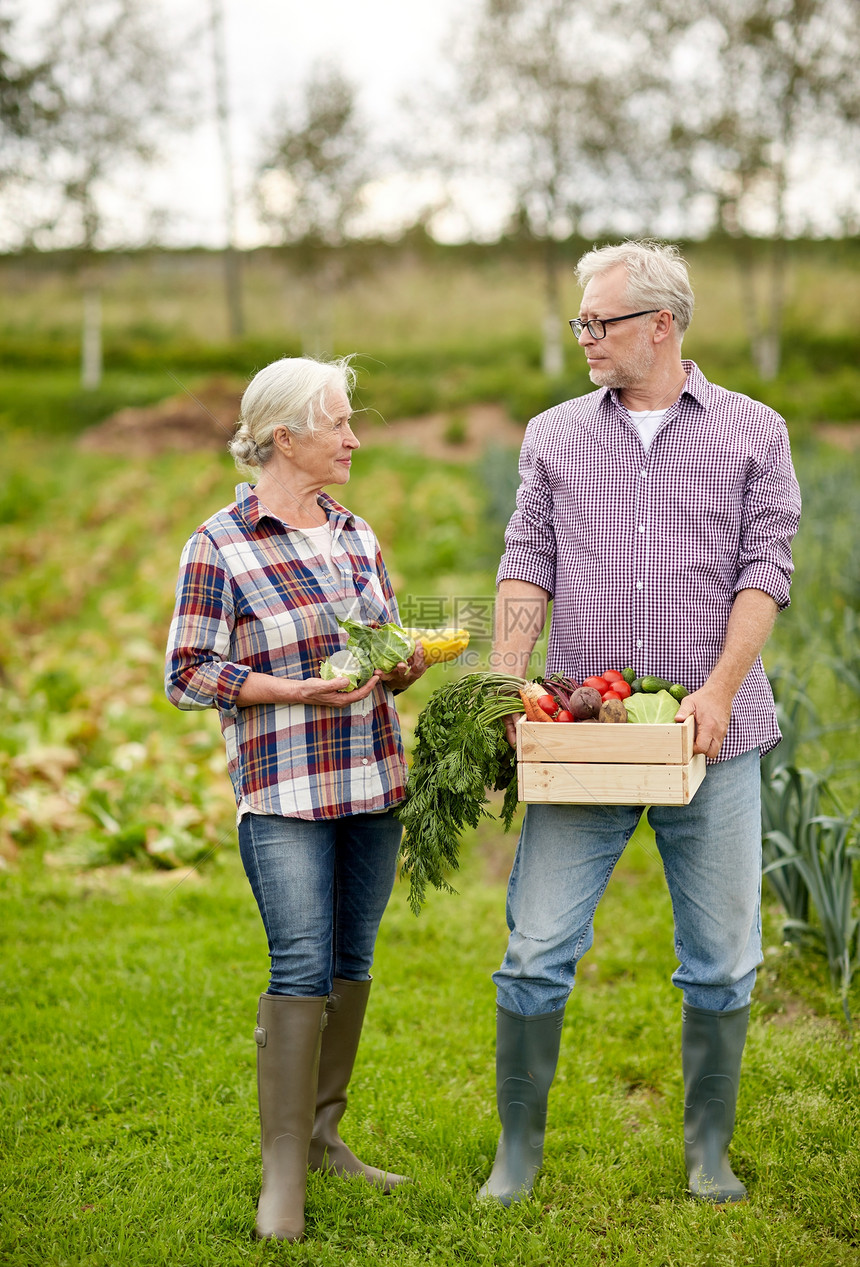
711, 853
322, 888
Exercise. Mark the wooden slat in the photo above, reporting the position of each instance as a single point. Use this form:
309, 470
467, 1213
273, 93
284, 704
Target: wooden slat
614, 783
630, 744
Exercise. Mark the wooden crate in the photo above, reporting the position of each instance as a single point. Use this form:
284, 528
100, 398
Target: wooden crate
606, 764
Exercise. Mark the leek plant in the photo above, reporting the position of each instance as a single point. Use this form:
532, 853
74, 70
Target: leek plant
808, 855
822, 854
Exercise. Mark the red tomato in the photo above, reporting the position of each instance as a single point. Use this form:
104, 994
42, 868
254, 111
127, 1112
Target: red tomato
612, 675
623, 688
549, 704
600, 684
611, 695
564, 715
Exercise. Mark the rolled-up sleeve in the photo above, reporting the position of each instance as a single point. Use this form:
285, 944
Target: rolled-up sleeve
530, 548
771, 514
198, 671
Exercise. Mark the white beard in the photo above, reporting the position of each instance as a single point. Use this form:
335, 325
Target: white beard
637, 367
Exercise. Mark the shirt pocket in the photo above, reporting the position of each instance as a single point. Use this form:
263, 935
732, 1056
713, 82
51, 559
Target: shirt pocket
372, 603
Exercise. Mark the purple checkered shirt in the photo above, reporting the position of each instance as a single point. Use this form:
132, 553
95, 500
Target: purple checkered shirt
643, 553
253, 595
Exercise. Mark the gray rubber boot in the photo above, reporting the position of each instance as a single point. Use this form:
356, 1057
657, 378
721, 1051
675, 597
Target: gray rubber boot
712, 1045
288, 1047
345, 1010
526, 1058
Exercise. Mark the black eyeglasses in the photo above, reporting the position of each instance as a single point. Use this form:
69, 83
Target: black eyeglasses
597, 328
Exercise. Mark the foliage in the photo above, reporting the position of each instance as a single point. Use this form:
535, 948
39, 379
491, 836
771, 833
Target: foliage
115, 95
460, 754
738, 94
809, 837
822, 853
536, 108
27, 98
314, 163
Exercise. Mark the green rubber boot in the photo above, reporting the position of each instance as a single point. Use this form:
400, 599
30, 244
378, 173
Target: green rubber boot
345, 1010
288, 1037
526, 1058
712, 1045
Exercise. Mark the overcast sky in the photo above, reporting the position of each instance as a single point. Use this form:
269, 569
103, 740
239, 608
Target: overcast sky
386, 47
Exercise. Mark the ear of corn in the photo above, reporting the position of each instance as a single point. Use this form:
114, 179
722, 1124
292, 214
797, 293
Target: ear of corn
441, 644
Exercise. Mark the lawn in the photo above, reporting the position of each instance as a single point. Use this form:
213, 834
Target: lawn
130, 1132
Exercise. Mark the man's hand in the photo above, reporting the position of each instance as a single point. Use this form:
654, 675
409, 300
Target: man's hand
750, 622
712, 709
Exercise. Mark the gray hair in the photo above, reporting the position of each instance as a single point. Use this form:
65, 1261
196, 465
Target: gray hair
656, 277
288, 393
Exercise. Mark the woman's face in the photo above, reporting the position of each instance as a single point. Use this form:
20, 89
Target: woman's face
324, 455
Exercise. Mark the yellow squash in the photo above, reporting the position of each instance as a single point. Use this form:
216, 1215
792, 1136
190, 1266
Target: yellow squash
441, 644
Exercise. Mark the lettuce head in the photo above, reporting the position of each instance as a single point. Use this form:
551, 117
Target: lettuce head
657, 709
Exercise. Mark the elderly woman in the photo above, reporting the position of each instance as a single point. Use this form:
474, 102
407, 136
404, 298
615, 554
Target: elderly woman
317, 770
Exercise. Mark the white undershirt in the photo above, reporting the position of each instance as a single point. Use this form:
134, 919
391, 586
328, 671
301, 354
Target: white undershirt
647, 423
321, 540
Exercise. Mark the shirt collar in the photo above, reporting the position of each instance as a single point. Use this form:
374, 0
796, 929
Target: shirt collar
253, 511
696, 386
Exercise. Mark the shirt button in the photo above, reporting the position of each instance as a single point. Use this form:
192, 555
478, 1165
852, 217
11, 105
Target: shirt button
639, 644
364, 760
641, 527
639, 585
643, 474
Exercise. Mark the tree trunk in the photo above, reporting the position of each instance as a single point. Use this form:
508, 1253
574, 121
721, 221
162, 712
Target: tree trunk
91, 341
232, 274
553, 352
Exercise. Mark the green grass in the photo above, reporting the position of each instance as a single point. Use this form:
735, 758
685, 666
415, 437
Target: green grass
129, 1132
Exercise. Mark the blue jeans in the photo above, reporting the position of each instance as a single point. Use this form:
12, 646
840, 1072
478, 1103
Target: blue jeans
322, 888
711, 852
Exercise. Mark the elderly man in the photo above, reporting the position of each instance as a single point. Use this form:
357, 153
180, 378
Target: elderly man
657, 513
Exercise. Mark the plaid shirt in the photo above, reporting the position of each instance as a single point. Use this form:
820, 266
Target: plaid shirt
253, 595
644, 553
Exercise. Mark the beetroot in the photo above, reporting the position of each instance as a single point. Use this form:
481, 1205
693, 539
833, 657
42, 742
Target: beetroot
585, 703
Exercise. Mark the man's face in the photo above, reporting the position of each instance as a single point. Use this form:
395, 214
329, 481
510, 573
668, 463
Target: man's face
626, 355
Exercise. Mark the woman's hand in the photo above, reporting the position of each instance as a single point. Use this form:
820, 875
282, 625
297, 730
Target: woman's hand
407, 671
265, 688
333, 693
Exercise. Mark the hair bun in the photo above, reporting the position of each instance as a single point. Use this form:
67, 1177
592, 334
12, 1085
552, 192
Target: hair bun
244, 448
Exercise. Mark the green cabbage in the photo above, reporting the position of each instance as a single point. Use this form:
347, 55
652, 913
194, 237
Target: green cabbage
657, 709
384, 647
349, 664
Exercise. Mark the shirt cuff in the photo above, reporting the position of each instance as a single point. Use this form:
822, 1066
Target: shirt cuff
763, 576
536, 571
230, 681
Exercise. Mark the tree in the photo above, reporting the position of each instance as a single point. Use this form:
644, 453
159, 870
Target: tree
541, 104
232, 273
312, 173
27, 99
314, 165
113, 76
116, 76
744, 94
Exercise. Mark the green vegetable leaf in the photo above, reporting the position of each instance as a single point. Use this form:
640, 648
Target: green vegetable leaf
384, 647
461, 753
347, 664
658, 709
